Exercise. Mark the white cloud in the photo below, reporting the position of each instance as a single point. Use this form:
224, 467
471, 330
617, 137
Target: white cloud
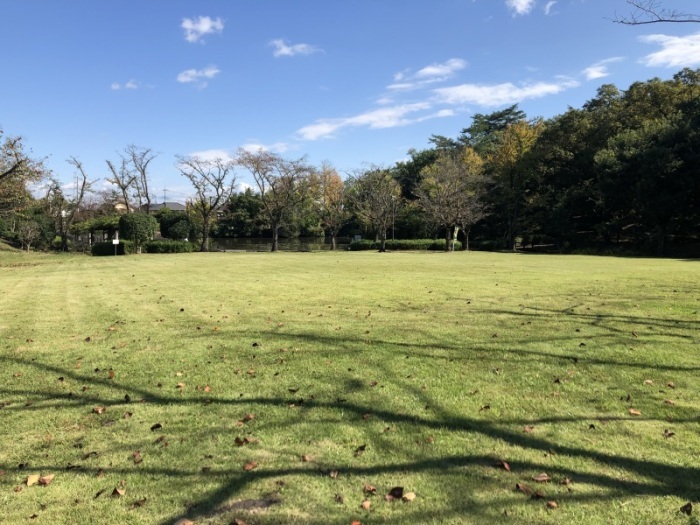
198, 75
195, 29
548, 7
520, 7
284, 50
387, 117
213, 154
131, 84
500, 94
600, 69
427, 75
675, 51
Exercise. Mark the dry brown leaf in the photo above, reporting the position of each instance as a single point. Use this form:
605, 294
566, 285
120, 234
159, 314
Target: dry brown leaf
369, 489
528, 429
566, 481
180, 386
634, 412
46, 480
503, 464
552, 505
668, 433
207, 388
250, 466
396, 493
118, 492
360, 450
366, 504
137, 457
409, 496
306, 458
648, 382
184, 521
99, 410
525, 489
669, 401
111, 374
542, 478
247, 417
671, 385
32, 479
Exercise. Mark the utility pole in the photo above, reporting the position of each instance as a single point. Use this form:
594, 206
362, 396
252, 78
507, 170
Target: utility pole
165, 195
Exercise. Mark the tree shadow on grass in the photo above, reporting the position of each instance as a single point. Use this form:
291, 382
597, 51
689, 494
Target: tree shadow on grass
652, 478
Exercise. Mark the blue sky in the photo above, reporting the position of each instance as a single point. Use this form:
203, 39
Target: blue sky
350, 82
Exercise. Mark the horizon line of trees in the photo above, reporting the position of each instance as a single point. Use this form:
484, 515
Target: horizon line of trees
621, 171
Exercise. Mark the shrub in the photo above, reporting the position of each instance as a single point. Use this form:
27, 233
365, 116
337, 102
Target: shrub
168, 247
403, 244
107, 248
137, 227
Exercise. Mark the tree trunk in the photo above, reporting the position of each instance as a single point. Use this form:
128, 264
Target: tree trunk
275, 237
382, 248
465, 245
332, 240
448, 238
661, 240
205, 237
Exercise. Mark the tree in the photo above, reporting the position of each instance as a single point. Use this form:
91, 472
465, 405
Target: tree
123, 178
282, 185
330, 201
140, 158
451, 193
485, 129
653, 12
213, 181
509, 171
243, 216
138, 228
62, 209
374, 196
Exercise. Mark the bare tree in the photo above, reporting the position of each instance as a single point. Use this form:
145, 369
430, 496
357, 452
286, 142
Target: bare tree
213, 181
373, 195
654, 12
283, 186
62, 209
140, 158
123, 178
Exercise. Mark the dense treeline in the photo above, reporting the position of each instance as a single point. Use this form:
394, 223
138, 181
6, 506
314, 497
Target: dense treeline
620, 173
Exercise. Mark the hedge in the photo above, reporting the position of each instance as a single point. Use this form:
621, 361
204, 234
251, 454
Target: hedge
107, 248
403, 244
167, 246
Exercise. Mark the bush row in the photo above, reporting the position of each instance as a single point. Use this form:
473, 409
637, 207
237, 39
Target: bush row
403, 244
127, 247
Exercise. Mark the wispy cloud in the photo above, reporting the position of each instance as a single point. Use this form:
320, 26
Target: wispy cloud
675, 51
277, 147
404, 81
489, 95
200, 76
386, 117
548, 7
520, 7
283, 49
196, 29
131, 84
600, 69
213, 154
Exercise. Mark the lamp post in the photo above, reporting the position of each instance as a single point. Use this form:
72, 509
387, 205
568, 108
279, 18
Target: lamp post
393, 215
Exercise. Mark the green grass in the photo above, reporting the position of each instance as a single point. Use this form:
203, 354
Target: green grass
435, 363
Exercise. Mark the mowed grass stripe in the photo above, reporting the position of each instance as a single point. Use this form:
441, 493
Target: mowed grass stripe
435, 362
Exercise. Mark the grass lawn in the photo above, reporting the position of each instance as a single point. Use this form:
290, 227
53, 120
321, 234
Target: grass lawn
283, 388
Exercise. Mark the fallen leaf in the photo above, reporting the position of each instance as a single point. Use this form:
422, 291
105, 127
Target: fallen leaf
669, 401
137, 503
127, 415
671, 385
369, 489
566, 481
503, 464
485, 407
542, 478
46, 480
687, 508
306, 458
250, 466
333, 474
525, 489
552, 505
180, 386
355, 522
648, 382
366, 504
668, 433
409, 496
247, 417
360, 450
118, 493
32, 479
137, 457
634, 412
339, 498
207, 388
528, 429
99, 410
111, 374
184, 521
